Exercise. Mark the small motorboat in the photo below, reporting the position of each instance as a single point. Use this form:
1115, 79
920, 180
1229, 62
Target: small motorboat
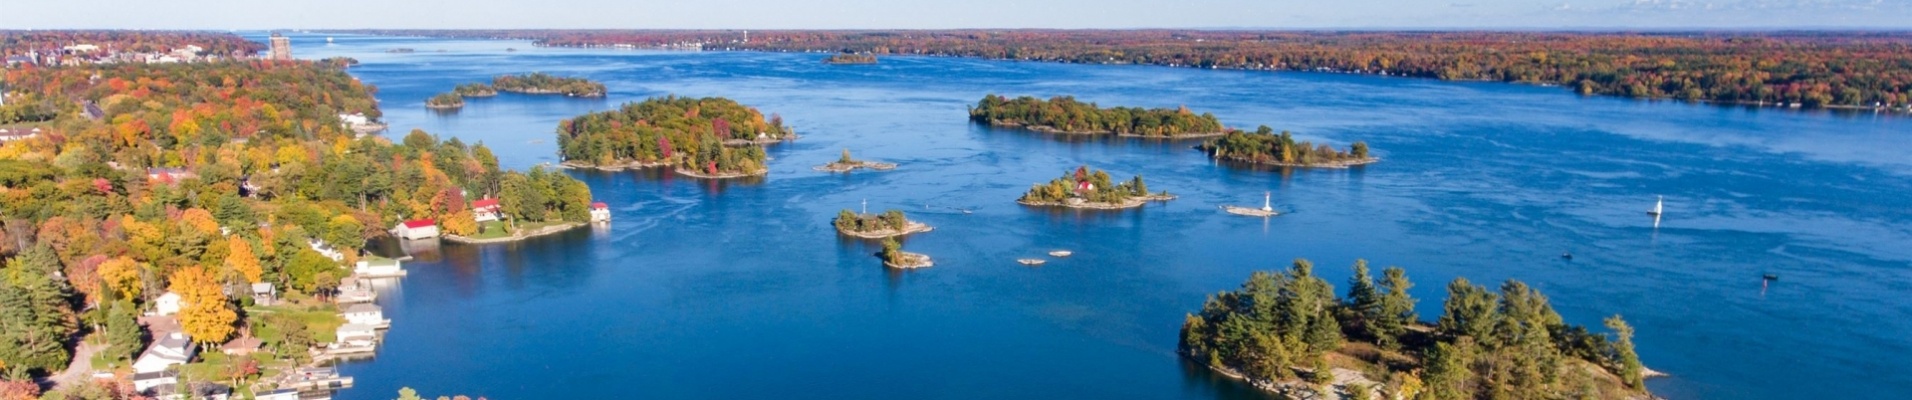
1031, 261
1771, 276
1566, 256
1061, 253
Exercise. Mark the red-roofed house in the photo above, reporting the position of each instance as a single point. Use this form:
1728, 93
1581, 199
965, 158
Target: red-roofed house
416, 229
485, 210
600, 212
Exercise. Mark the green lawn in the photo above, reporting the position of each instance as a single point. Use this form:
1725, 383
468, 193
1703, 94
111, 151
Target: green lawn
491, 230
323, 321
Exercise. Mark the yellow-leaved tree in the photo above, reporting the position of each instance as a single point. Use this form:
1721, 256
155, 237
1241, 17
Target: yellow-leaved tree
121, 274
240, 259
201, 220
461, 223
203, 312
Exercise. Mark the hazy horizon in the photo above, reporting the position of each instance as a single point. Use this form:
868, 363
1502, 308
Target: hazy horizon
1570, 15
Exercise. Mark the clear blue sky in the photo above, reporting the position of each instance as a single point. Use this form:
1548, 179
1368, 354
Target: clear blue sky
908, 14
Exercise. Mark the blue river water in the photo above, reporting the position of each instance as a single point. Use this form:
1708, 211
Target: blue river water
703, 289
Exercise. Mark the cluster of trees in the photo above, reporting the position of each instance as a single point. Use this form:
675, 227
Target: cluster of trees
850, 58
25, 107
1065, 114
1264, 147
1814, 69
542, 83
1283, 326
892, 252
446, 100
21, 42
683, 132
1094, 187
475, 89
258, 167
852, 222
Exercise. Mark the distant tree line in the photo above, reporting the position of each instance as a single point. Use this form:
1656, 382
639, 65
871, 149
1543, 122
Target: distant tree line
1829, 69
1065, 114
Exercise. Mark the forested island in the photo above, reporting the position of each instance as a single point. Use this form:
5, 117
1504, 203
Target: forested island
1264, 147
684, 133
445, 101
847, 164
1086, 189
542, 83
1807, 69
850, 58
205, 177
894, 257
890, 223
1288, 332
1063, 114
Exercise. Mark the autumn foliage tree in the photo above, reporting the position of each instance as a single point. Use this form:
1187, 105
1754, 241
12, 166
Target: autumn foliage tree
204, 311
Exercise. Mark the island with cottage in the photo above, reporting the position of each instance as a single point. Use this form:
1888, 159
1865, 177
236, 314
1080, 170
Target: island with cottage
542, 83
1093, 190
1288, 332
1063, 114
889, 224
850, 58
894, 257
847, 164
690, 135
1264, 147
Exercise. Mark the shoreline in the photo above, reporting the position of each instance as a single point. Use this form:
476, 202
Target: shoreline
1132, 202
909, 227
1047, 129
618, 167
760, 142
854, 165
444, 106
547, 230
720, 175
549, 91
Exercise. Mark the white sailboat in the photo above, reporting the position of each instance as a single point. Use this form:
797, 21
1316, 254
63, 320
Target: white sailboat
1658, 205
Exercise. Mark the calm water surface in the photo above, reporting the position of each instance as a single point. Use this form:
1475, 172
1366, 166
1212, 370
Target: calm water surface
740, 290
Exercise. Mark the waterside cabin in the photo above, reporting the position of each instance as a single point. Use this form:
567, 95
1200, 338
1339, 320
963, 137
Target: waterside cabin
366, 314
600, 212
416, 229
378, 267
485, 210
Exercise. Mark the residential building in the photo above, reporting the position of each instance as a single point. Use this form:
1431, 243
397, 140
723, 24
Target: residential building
485, 210
169, 176
148, 380
366, 314
378, 267
600, 212
174, 348
357, 335
167, 304
281, 47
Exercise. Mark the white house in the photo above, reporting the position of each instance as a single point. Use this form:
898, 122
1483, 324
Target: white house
600, 212
485, 210
378, 267
264, 294
354, 119
357, 335
173, 349
148, 380
416, 229
7, 135
366, 314
167, 304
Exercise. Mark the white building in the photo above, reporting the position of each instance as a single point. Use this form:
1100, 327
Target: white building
148, 380
600, 212
173, 349
8, 135
366, 314
167, 304
416, 229
357, 335
326, 249
485, 210
377, 267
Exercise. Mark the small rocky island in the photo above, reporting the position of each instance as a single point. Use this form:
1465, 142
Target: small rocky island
889, 224
1092, 190
850, 58
445, 101
1264, 147
475, 89
847, 164
1063, 114
894, 257
542, 83
685, 134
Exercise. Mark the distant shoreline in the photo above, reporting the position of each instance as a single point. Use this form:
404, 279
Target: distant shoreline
1047, 129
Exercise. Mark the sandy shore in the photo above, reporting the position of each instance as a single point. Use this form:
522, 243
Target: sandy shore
1132, 202
909, 227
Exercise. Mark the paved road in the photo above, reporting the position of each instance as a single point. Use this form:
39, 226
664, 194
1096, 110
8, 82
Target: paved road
80, 369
